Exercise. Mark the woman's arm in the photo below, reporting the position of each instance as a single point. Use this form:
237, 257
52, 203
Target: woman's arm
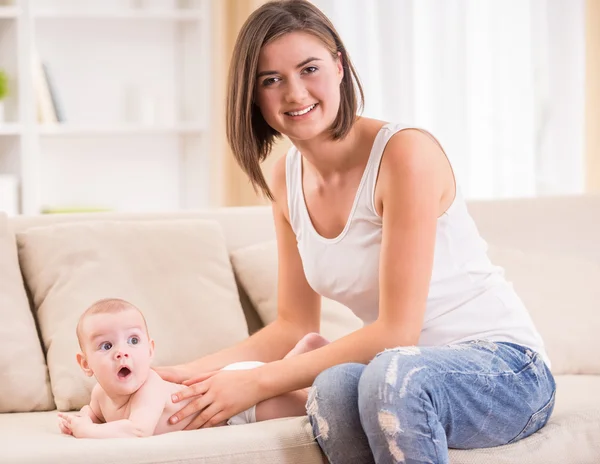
413, 181
413, 185
298, 305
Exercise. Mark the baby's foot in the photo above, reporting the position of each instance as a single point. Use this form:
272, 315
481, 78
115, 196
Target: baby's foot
309, 342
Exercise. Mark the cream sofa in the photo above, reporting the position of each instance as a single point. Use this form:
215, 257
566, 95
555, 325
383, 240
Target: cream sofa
206, 279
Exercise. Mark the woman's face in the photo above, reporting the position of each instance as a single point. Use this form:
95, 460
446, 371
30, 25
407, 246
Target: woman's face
298, 85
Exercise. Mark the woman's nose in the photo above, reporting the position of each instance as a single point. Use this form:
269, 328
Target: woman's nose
296, 91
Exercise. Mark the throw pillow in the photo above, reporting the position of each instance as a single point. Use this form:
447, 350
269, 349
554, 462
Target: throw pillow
176, 272
256, 268
25, 385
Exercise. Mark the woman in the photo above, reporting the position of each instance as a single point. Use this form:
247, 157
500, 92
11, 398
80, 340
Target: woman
368, 213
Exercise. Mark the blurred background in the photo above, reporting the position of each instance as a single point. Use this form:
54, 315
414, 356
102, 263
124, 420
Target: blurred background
119, 104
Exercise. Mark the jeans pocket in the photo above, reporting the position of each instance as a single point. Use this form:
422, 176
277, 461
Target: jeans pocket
537, 420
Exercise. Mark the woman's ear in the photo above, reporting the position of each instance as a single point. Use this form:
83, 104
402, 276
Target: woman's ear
340, 66
85, 367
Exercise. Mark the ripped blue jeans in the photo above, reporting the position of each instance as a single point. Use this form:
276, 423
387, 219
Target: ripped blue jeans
410, 404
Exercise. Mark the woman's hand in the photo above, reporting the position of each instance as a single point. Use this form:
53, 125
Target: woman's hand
219, 396
176, 374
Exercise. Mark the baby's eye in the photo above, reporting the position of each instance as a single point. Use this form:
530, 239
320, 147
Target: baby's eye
133, 340
106, 346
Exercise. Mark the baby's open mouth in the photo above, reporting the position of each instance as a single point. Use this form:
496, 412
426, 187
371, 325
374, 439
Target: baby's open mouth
124, 372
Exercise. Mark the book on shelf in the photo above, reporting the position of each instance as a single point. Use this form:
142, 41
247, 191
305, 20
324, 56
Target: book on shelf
49, 108
58, 108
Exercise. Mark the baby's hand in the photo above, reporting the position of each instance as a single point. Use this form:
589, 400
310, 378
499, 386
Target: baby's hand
74, 424
63, 424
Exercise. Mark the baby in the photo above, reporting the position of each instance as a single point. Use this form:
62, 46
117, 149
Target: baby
132, 400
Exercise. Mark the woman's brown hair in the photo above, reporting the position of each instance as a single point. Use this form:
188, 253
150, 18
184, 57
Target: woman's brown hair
248, 134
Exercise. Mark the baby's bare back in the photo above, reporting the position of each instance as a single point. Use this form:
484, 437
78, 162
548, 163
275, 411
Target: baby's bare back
171, 408
166, 389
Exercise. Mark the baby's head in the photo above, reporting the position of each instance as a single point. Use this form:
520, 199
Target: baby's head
115, 346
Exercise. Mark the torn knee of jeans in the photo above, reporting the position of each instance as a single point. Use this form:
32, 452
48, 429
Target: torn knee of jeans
408, 378
312, 409
405, 350
390, 426
458, 347
391, 373
485, 344
311, 402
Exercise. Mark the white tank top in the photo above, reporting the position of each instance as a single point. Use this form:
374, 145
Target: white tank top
468, 298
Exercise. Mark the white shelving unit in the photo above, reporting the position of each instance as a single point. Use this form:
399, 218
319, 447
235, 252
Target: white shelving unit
67, 130
10, 129
9, 12
137, 15
132, 80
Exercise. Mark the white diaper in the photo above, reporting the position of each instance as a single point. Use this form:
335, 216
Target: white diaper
249, 415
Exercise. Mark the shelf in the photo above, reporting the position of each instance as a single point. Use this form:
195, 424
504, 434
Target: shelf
151, 115
72, 130
10, 129
173, 15
9, 12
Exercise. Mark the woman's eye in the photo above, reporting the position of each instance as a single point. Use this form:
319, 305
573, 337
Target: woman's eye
311, 69
270, 81
133, 340
106, 346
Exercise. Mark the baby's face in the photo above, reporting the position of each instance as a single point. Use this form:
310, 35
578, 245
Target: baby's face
117, 350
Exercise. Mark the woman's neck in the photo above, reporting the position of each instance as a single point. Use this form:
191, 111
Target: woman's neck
330, 157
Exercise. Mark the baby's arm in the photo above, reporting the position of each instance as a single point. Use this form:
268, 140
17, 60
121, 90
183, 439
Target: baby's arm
88, 412
147, 405
93, 410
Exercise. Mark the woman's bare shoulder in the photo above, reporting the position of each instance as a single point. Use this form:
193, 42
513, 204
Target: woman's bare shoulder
278, 186
415, 155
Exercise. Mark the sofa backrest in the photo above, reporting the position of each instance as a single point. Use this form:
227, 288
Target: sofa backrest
550, 250
549, 247
242, 227
568, 224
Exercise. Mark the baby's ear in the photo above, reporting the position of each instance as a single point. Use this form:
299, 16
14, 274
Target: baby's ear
85, 367
151, 345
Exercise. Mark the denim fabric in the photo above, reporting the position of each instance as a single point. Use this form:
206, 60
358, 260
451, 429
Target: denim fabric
410, 404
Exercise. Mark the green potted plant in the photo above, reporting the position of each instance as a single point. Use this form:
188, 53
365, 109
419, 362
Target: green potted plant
3, 92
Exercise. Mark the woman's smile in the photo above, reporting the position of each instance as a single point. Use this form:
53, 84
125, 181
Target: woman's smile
301, 113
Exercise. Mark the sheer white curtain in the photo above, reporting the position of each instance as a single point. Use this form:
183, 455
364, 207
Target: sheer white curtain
499, 82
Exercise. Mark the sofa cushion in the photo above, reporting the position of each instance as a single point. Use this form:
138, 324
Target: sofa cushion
24, 385
281, 441
177, 272
256, 268
569, 437
561, 291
